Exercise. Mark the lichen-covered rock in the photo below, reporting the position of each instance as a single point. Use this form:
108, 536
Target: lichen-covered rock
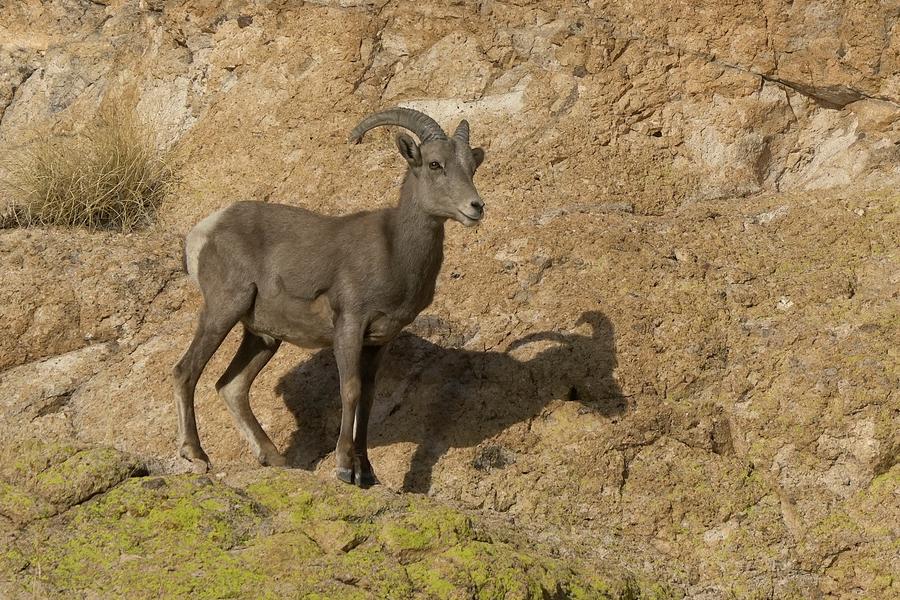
84, 474
39, 479
271, 534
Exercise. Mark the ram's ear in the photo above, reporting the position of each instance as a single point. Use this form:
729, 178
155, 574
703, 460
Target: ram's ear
478, 155
409, 149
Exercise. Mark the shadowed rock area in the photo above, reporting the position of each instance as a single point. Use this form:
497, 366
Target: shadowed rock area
668, 356
439, 394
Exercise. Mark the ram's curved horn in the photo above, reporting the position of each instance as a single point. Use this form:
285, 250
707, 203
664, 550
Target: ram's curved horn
419, 123
462, 132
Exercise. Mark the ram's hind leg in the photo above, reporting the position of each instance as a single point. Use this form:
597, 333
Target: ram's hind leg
215, 323
234, 386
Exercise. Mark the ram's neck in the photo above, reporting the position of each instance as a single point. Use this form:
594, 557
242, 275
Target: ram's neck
418, 246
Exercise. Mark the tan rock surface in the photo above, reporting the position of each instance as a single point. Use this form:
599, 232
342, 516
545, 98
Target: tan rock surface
672, 344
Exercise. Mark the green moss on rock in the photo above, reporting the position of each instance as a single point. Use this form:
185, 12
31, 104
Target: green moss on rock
23, 459
433, 582
143, 539
84, 474
424, 527
20, 506
337, 536
276, 534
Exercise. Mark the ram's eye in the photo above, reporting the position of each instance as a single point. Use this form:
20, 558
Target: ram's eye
434, 165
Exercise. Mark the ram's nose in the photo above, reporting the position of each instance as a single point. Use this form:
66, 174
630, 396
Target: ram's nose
477, 205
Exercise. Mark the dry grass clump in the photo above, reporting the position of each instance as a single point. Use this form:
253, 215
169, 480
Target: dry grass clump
111, 175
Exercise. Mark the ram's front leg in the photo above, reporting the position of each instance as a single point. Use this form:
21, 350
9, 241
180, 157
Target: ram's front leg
362, 468
348, 343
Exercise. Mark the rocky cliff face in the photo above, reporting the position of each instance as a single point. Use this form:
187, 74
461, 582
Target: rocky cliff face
671, 347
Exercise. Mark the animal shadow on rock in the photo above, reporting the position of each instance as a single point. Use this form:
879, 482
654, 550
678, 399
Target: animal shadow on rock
440, 396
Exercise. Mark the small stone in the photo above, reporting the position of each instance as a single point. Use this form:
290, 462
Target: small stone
683, 255
124, 558
335, 536
521, 296
493, 457
154, 484
784, 303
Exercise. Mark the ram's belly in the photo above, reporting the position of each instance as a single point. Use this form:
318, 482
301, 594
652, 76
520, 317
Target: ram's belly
304, 323
310, 323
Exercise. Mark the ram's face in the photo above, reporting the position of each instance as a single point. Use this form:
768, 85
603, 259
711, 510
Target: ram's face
445, 170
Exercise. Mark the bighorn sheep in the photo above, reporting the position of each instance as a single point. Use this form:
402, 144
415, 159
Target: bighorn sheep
351, 282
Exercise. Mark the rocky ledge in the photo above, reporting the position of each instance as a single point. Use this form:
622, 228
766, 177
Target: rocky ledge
88, 522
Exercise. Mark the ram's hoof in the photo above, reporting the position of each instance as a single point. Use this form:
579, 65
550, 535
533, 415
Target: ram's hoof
366, 479
345, 474
272, 459
199, 461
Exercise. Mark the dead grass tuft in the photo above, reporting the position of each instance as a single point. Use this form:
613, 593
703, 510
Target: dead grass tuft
111, 175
